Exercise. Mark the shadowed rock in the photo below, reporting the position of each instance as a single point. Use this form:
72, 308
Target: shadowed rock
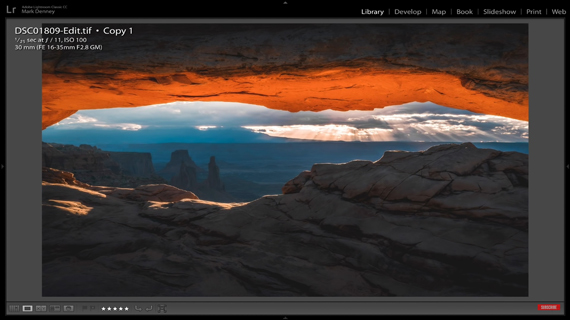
94, 166
138, 164
186, 178
151, 192
448, 221
214, 181
212, 188
295, 185
173, 167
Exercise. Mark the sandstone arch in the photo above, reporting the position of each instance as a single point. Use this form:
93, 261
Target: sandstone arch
294, 67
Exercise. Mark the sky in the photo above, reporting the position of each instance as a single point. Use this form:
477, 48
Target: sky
227, 122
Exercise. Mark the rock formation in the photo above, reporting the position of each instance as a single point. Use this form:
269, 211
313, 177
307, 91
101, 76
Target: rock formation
137, 164
151, 192
448, 221
214, 181
173, 167
186, 178
94, 166
457, 180
61, 177
84, 161
482, 68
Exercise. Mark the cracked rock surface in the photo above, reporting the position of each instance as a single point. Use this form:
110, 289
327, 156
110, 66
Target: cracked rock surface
448, 221
295, 67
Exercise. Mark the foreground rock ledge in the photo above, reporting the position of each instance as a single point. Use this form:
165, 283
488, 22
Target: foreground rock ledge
481, 68
449, 221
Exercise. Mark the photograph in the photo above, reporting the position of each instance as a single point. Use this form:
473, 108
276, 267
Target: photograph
286, 160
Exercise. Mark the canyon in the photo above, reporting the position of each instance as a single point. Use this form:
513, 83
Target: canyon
183, 173
92, 165
448, 221
98, 167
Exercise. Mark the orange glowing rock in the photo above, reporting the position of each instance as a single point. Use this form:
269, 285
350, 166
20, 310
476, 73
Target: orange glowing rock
337, 89
481, 68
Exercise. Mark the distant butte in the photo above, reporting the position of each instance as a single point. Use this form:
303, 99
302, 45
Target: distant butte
481, 68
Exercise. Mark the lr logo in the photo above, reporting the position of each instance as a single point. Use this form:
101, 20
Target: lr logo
8, 9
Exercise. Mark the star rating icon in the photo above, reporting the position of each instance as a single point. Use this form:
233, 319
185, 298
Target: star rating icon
115, 308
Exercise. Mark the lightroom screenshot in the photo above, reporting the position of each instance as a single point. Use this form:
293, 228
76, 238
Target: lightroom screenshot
283, 160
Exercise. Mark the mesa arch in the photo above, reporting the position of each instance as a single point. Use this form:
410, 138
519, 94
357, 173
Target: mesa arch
295, 67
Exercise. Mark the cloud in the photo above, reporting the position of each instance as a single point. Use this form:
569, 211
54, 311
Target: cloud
329, 132
408, 122
204, 128
82, 121
121, 126
76, 118
415, 122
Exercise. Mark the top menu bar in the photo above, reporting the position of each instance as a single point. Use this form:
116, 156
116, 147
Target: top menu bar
267, 9
464, 12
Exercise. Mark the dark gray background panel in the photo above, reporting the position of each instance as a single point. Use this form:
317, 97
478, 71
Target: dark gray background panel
546, 158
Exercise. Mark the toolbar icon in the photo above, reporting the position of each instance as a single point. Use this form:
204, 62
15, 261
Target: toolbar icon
161, 308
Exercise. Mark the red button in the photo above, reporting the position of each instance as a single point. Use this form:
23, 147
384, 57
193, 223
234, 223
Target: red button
548, 307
